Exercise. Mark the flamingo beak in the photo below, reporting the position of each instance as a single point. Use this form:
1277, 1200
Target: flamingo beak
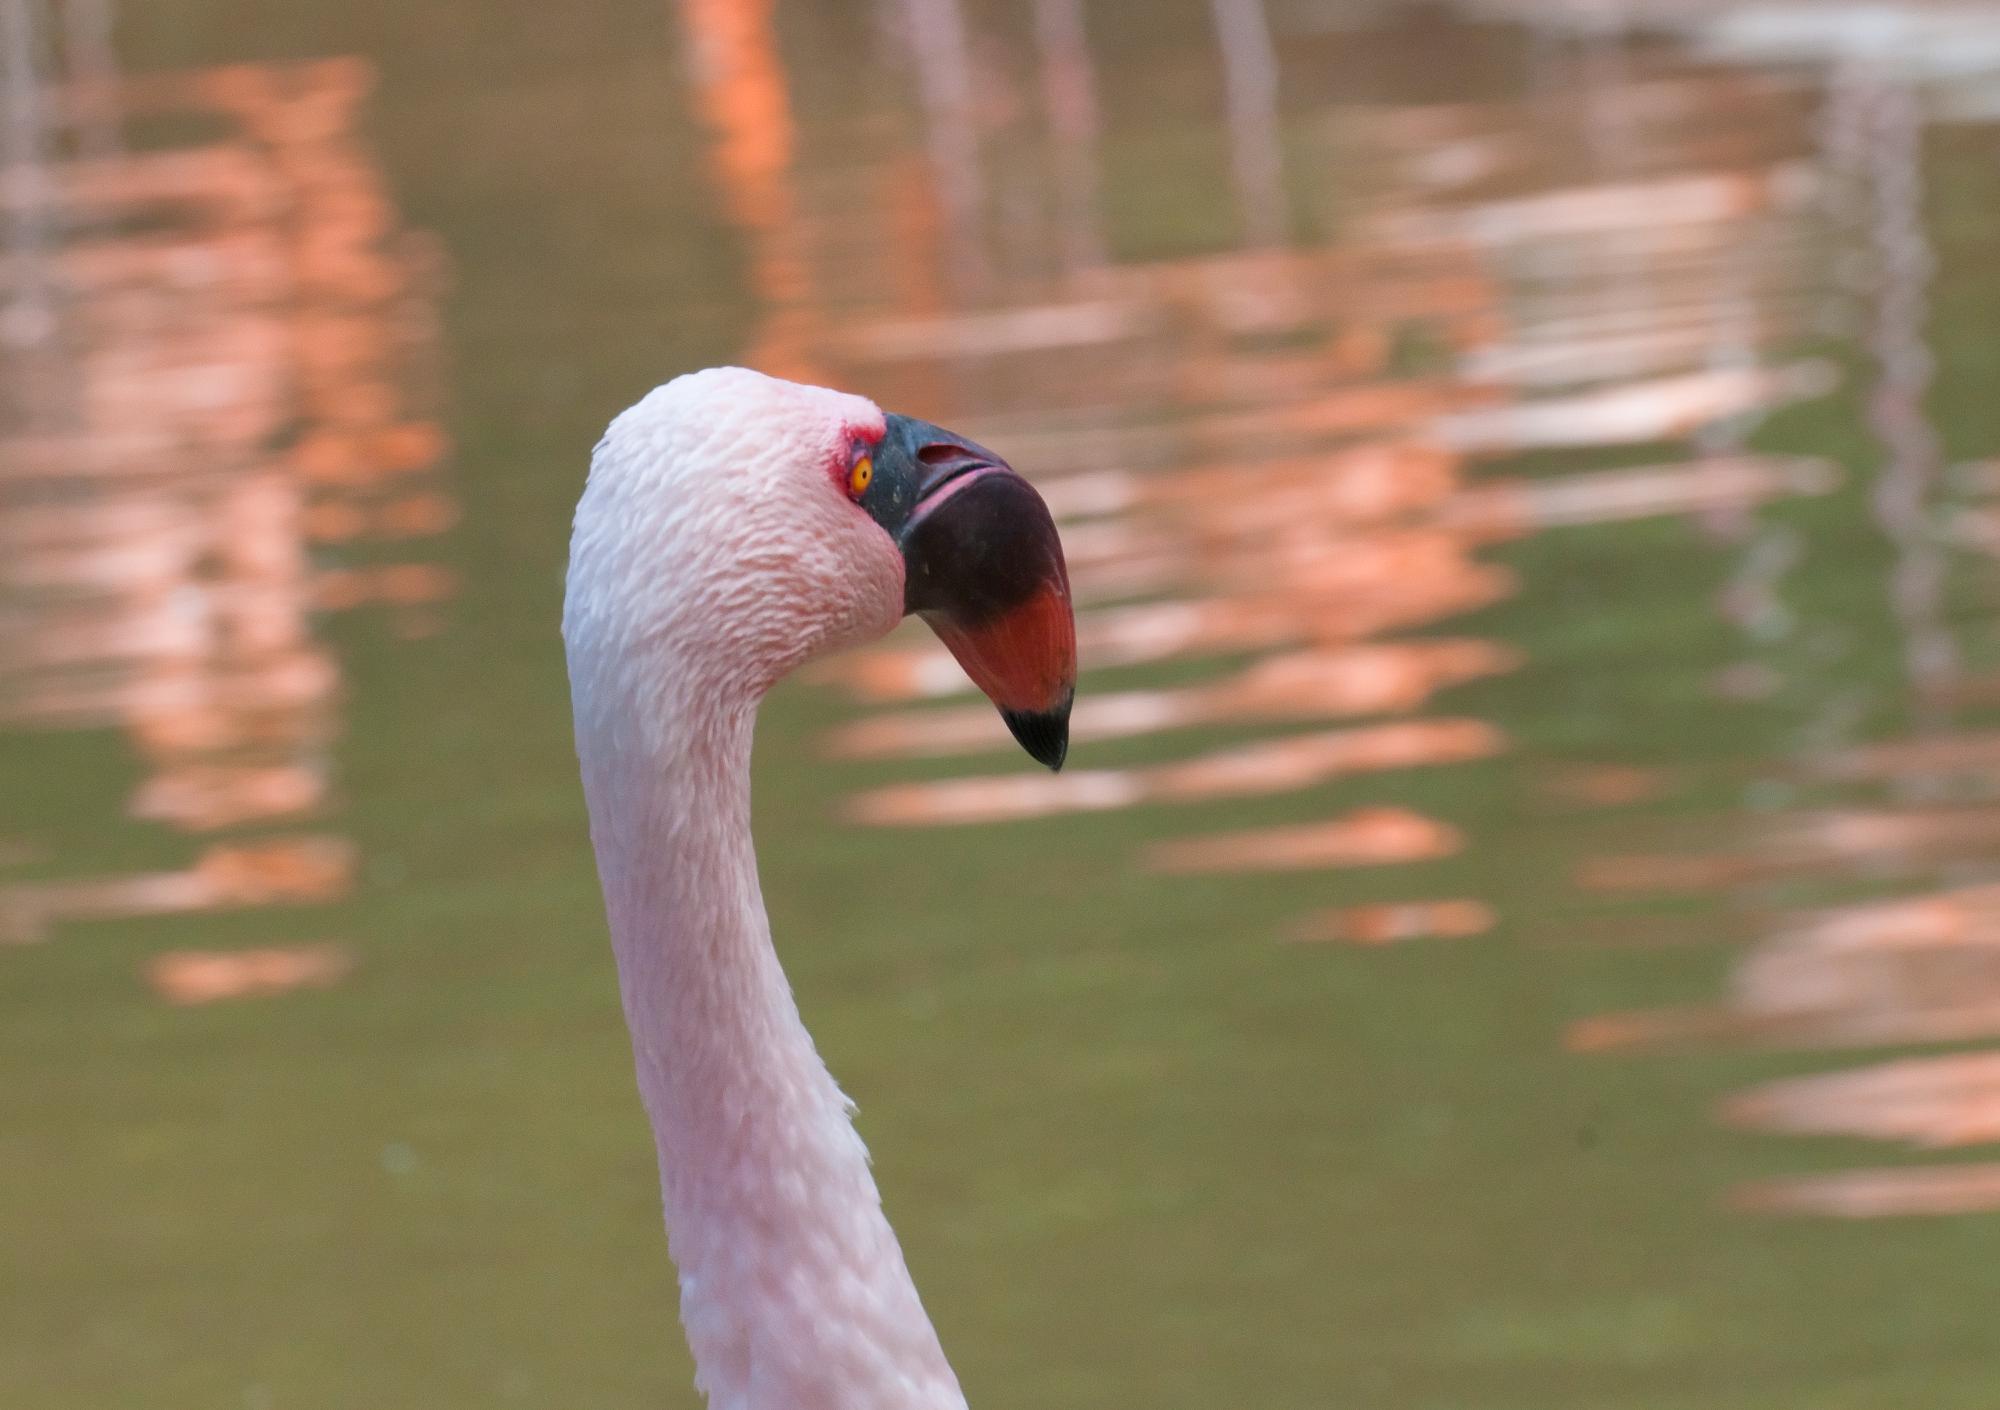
983, 565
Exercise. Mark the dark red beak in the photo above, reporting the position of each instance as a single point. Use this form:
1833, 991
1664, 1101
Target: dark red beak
983, 565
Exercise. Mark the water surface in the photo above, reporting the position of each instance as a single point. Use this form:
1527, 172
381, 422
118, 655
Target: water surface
1519, 925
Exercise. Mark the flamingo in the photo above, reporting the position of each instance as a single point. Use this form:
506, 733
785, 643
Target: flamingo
735, 526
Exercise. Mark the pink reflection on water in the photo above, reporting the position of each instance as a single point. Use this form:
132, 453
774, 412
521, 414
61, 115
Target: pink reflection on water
1276, 766
1605, 785
1887, 815
1267, 464
1365, 837
1342, 597
1922, 968
1931, 1103
303, 870
1386, 677
1878, 1194
1959, 755
1395, 923
1243, 470
1888, 840
1665, 409
208, 976
245, 438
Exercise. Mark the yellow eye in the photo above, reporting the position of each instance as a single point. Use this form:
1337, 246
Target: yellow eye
860, 477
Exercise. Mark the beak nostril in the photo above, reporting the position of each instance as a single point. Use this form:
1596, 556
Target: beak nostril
938, 453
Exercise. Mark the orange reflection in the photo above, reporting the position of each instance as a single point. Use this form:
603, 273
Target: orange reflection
206, 976
739, 86
1930, 1103
1663, 409
1807, 844
1909, 812
1878, 1194
1276, 766
284, 871
247, 439
1365, 837
1387, 678
1976, 754
1605, 785
1922, 968
1395, 923
1264, 458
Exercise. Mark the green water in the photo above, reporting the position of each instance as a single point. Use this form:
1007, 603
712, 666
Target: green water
1139, 1153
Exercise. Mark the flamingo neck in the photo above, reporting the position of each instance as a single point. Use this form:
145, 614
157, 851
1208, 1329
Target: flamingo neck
794, 1291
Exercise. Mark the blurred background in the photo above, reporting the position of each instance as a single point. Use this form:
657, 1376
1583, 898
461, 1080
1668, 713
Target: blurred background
1521, 924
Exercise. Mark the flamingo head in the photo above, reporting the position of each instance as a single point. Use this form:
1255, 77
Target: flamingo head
735, 526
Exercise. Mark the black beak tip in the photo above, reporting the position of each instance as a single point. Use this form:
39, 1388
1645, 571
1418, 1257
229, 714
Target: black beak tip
1043, 733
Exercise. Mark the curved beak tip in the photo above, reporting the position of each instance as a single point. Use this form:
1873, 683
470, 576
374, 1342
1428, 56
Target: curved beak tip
1043, 733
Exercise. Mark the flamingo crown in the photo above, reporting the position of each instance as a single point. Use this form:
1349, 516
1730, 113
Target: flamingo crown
734, 527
